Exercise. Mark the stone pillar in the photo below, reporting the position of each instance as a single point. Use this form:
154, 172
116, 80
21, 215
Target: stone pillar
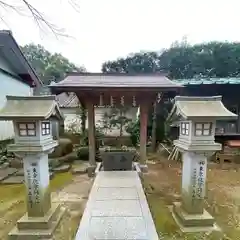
36, 175
91, 138
193, 182
191, 212
42, 217
143, 135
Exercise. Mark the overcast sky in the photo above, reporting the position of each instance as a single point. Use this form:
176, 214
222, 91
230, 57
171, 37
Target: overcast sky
107, 29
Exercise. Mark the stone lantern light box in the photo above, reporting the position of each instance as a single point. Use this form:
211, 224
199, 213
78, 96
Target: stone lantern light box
32, 121
31, 117
196, 117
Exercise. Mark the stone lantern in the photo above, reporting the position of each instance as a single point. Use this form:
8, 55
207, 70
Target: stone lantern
196, 117
32, 121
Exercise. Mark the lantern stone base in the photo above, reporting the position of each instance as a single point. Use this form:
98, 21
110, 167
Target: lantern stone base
192, 222
91, 170
29, 228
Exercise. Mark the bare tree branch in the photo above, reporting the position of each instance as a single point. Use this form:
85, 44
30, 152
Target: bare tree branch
74, 5
37, 16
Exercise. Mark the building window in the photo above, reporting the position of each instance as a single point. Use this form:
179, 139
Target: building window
185, 128
203, 129
45, 128
27, 129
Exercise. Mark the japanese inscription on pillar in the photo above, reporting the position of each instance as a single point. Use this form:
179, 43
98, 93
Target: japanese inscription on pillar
198, 181
33, 185
194, 181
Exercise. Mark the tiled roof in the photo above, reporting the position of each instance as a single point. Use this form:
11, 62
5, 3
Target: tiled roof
11, 51
30, 107
191, 107
121, 80
63, 99
71, 102
198, 81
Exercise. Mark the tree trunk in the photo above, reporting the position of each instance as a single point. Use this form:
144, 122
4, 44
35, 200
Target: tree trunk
83, 120
83, 117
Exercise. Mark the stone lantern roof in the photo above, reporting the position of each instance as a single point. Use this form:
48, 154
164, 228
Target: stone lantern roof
200, 107
35, 107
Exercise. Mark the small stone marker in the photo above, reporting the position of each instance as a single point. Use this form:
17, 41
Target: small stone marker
33, 142
197, 117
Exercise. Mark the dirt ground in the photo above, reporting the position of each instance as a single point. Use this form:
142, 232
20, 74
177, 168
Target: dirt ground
163, 184
71, 191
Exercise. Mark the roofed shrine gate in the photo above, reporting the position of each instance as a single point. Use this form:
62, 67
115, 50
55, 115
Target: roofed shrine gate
99, 89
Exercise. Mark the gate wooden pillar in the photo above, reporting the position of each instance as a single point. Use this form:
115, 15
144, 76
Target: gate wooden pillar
143, 135
91, 137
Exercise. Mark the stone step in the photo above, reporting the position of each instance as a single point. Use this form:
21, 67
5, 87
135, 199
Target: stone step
5, 173
13, 180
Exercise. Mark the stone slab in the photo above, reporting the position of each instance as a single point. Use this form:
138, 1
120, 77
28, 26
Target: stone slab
20, 172
4, 165
79, 169
63, 168
116, 181
125, 208
13, 180
117, 209
125, 228
123, 193
4, 173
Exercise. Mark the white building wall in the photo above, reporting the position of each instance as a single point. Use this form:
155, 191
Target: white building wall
10, 86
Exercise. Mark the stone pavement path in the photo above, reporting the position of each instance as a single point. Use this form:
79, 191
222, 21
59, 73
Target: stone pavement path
117, 209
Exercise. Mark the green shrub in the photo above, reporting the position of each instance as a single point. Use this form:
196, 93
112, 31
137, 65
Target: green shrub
83, 153
53, 163
133, 129
67, 146
98, 137
64, 147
